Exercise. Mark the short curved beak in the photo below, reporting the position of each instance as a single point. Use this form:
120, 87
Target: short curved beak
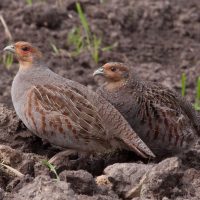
99, 71
10, 48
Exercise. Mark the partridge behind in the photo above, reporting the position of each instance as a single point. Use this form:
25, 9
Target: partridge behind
65, 112
164, 120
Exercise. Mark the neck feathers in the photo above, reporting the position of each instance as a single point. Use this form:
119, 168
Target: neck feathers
26, 65
114, 86
132, 81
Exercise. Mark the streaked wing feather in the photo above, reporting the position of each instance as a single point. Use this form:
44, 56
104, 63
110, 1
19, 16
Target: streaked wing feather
86, 115
59, 99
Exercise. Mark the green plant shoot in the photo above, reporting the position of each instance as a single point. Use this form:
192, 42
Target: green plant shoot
183, 84
96, 47
29, 2
84, 22
8, 60
197, 99
88, 40
55, 49
75, 38
51, 168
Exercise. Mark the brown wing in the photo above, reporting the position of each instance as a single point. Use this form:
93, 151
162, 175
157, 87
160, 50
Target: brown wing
115, 124
165, 117
66, 110
191, 113
172, 100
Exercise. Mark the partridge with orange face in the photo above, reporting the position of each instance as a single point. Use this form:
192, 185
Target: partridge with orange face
65, 112
164, 120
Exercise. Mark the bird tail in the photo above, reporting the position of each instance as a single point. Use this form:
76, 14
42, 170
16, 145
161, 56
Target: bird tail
133, 141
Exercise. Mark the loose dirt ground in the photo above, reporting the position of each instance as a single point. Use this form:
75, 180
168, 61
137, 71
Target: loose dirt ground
160, 39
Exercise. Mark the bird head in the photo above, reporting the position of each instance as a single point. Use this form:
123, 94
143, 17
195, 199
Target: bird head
25, 52
113, 72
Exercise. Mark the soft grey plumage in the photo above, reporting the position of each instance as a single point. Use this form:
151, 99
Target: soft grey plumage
65, 112
164, 120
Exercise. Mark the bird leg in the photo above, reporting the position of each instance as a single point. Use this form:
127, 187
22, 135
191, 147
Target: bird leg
63, 156
69, 158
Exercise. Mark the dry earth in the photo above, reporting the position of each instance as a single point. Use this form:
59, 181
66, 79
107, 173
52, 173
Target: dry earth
160, 39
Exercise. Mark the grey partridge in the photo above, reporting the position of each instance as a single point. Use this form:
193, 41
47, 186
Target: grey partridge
65, 112
164, 120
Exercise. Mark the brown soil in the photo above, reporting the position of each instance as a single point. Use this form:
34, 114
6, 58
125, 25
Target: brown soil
160, 39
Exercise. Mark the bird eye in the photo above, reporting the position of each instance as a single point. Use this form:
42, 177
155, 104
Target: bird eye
25, 48
113, 69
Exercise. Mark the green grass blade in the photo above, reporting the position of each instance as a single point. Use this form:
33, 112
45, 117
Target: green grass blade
96, 47
8, 60
51, 168
29, 2
75, 38
55, 49
84, 22
110, 47
183, 84
198, 88
197, 99
82, 17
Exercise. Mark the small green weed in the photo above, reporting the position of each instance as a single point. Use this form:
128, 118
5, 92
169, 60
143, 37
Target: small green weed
84, 22
183, 84
55, 49
76, 39
29, 2
197, 98
82, 38
7, 60
96, 46
51, 168
183, 91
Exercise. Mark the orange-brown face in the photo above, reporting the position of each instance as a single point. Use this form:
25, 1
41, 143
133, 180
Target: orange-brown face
24, 51
113, 71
